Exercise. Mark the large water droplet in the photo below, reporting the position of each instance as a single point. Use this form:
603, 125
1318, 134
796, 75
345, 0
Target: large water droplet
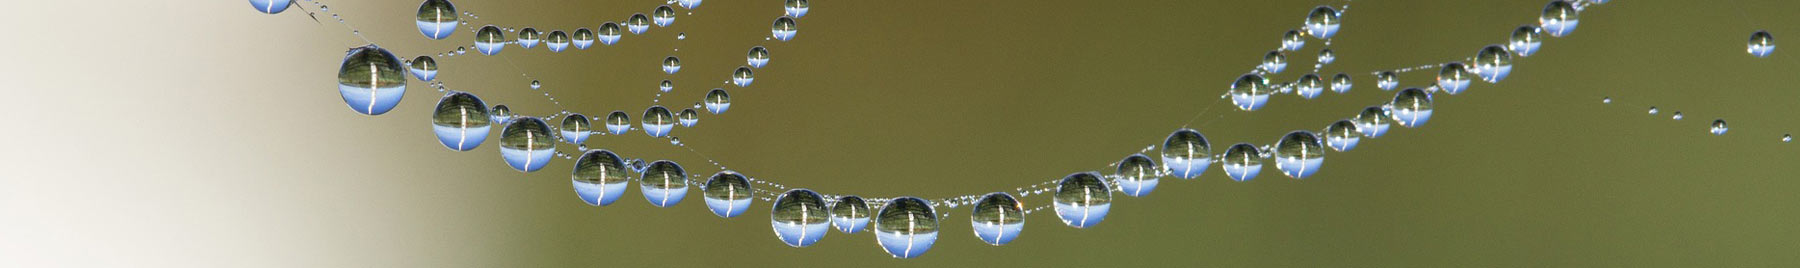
784, 28
618, 123
1412, 107
575, 128
1299, 154
461, 121
1761, 44
424, 68
1250, 92
529, 38
489, 40
1242, 162
688, 117
271, 6
526, 145
1322, 22
1292, 40
1309, 86
671, 65
1525, 40
796, 8
1137, 175
717, 101
1387, 80
437, 19
658, 121
610, 33
727, 194
663, 16
1372, 121
1493, 63
1274, 62
599, 177
1082, 199
998, 218
371, 80
1340, 83
850, 214
584, 38
1453, 78
557, 41
1186, 153
1559, 18
638, 23
664, 183
743, 76
758, 57
1342, 135
906, 227
800, 218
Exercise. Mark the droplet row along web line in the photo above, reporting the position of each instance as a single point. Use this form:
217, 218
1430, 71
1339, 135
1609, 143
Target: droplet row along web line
1298, 154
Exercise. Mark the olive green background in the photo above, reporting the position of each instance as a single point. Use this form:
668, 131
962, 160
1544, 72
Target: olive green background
152, 133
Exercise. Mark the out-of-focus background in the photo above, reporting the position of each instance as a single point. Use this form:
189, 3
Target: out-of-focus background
156, 133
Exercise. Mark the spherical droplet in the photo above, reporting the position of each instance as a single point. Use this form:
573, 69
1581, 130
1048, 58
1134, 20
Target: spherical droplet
1242, 162
1137, 175
618, 123
424, 68
271, 6
461, 121
784, 28
664, 183
666, 86
1292, 41
1493, 63
717, 101
906, 227
1299, 154
1322, 22
1387, 80
727, 194
500, 115
638, 23
800, 218
526, 145
489, 40
796, 8
575, 128
1526, 40
535, 85
584, 38
371, 80
743, 76
557, 41
998, 218
1250, 92
1309, 86
850, 214
1559, 18
1652, 109
1082, 199
663, 16
1453, 78
437, 19
1274, 62
528, 38
758, 57
1342, 135
1787, 137
610, 33
1718, 127
1677, 115
599, 177
671, 65
1326, 56
688, 117
1372, 121
1340, 83
1186, 153
1412, 107
1761, 44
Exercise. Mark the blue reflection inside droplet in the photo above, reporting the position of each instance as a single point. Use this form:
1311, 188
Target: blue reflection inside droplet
1297, 167
599, 194
904, 245
1187, 168
1082, 216
1249, 102
1242, 171
717, 108
575, 137
671, 69
849, 225
784, 35
1493, 74
1342, 144
489, 48
460, 138
998, 234
689, 122
617, 129
271, 6
664, 197
1412, 117
797, 234
436, 30
656, 130
1138, 187
424, 75
1559, 28
557, 47
372, 101
742, 81
527, 160
727, 207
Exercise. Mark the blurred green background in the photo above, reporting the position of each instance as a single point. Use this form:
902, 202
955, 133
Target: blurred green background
208, 134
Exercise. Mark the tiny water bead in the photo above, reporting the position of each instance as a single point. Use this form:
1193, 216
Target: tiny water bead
743, 76
1322, 22
906, 227
688, 117
1676, 116
727, 194
1242, 162
461, 50
1387, 80
1274, 62
575, 128
658, 121
371, 80
610, 33
850, 214
1250, 92
1787, 137
1525, 40
1761, 44
1082, 199
1652, 109
796, 8
1453, 78
757, 57
535, 85
1412, 107
1137, 175
1186, 154
1372, 121
998, 218
800, 218
557, 41
1607, 100
663, 16
666, 85
1340, 83
460, 121
1342, 135
618, 123
1299, 154
271, 6
1559, 18
424, 68
526, 145
784, 28
1326, 56
584, 38
1493, 63
599, 177
717, 101
489, 40
437, 19
638, 23
500, 114
671, 65
664, 183
1718, 127
1292, 41
1310, 86
528, 38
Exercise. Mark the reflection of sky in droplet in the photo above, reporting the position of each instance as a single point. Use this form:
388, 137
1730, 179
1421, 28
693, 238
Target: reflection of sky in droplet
461, 121
1186, 153
727, 194
1082, 199
664, 183
998, 218
599, 177
371, 80
906, 227
1137, 175
799, 218
850, 214
526, 145
1242, 162
1299, 154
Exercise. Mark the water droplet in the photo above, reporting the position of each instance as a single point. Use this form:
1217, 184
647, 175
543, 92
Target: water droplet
664, 183
1677, 115
680, 36
800, 218
618, 123
557, 41
1137, 175
584, 38
666, 85
1412, 107
535, 85
1186, 153
1453, 78
906, 227
271, 6
1309, 86
784, 28
461, 121
1250, 92
1787, 137
1082, 199
1525, 40
1559, 18
688, 117
1340, 83
1606, 100
717, 101
743, 76
436, 19
1326, 56
1242, 162
658, 121
1652, 109
575, 128
1718, 127
998, 218
490, 40
371, 80
1342, 135
1274, 62
528, 38
1322, 22
526, 145
1761, 44
663, 16
796, 8
1387, 80
850, 214
758, 57
1493, 63
610, 33
1372, 122
1292, 41
689, 4
638, 23
671, 65
1299, 154
599, 177
727, 194
500, 115
424, 68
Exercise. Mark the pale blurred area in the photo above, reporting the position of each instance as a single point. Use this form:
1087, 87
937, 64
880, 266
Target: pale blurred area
205, 134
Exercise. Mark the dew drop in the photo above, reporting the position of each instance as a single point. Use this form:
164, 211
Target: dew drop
1186, 153
671, 65
663, 16
800, 218
528, 38
1299, 154
658, 121
1493, 63
1274, 62
618, 123
1761, 44
424, 68
490, 40
1310, 86
1525, 40
599, 177
1453, 78
638, 23
850, 214
796, 8
1559, 18
1137, 175
1387, 80
1242, 162
1412, 107
271, 6
997, 218
1340, 83
610, 33
1292, 40
664, 183
1718, 127
717, 101
526, 145
688, 117
461, 121
371, 80
1250, 92
743, 76
557, 41
1082, 199
436, 19
584, 38
906, 227
1322, 22
757, 57
575, 128
784, 28
727, 194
